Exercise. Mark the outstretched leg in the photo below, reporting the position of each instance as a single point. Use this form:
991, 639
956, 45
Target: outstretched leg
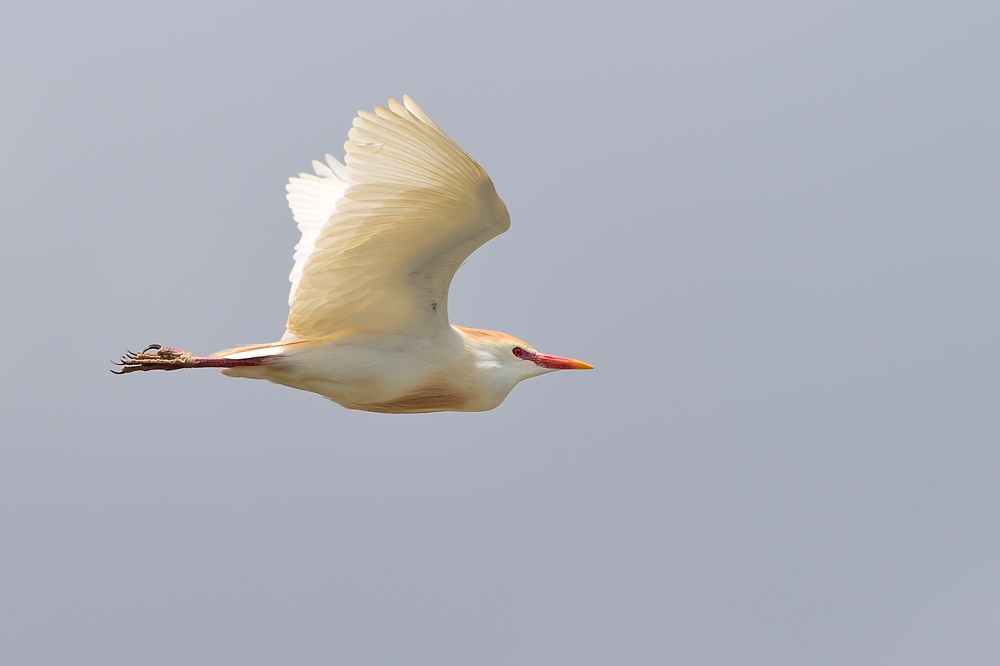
158, 357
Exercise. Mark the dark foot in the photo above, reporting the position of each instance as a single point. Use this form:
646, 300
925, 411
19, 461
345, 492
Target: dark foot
155, 357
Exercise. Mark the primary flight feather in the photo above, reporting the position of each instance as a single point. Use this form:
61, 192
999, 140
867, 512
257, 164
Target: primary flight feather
382, 237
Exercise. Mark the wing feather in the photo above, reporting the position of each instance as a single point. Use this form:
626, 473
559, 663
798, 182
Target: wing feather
312, 200
413, 208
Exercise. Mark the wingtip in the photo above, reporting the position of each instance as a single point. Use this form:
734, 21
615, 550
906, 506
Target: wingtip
415, 109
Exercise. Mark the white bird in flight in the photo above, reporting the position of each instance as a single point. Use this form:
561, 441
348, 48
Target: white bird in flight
382, 238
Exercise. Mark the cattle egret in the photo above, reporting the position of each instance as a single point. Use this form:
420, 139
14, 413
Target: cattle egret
382, 237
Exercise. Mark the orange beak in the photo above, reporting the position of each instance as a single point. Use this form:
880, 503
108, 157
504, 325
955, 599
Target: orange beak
560, 363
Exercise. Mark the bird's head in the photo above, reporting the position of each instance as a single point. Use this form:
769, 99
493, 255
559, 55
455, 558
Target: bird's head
507, 360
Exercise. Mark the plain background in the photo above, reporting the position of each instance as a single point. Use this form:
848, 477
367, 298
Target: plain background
772, 227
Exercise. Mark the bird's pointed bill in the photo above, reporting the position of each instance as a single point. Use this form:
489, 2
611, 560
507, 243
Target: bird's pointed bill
560, 363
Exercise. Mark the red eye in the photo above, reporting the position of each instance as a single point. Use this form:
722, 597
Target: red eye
518, 352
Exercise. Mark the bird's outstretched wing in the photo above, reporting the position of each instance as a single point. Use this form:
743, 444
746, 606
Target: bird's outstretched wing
383, 237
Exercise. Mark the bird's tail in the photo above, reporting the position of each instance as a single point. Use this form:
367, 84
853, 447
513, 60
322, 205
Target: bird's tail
251, 351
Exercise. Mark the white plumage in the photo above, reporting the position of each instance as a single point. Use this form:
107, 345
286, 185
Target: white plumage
414, 208
382, 237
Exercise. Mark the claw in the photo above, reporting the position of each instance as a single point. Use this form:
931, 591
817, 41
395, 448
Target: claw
154, 357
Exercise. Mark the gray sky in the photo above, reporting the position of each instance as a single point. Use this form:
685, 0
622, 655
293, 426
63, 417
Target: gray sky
772, 227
